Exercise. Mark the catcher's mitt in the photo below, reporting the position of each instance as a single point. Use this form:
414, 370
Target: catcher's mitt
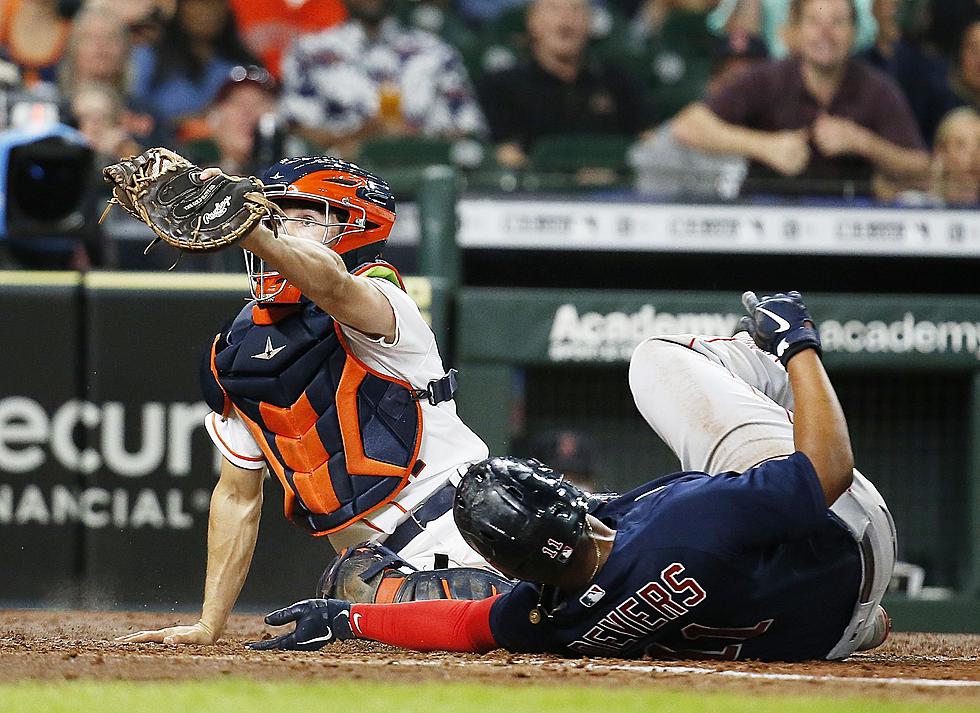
165, 191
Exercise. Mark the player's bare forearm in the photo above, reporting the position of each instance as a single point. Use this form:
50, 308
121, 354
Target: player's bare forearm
236, 505
315, 269
819, 426
233, 526
322, 276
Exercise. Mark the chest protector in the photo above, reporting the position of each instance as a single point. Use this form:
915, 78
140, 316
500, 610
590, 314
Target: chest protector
342, 438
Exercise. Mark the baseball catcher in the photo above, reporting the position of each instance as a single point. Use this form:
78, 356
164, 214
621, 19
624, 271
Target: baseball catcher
768, 546
329, 377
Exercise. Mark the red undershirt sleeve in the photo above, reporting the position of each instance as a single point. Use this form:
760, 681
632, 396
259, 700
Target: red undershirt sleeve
438, 625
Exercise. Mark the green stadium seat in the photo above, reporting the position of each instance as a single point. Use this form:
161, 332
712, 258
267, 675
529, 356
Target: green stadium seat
406, 151
401, 160
571, 152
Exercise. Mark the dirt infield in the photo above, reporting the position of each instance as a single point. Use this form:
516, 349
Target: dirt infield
59, 645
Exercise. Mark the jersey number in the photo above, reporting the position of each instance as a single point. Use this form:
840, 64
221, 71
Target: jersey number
727, 652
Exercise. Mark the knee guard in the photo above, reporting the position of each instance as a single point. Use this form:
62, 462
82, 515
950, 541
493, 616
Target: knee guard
373, 574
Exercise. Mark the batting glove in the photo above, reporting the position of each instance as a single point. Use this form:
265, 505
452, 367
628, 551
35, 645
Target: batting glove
318, 622
780, 324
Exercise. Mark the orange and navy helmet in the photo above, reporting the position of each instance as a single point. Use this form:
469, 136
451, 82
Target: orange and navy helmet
360, 204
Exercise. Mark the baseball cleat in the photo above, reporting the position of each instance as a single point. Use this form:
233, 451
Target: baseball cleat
879, 632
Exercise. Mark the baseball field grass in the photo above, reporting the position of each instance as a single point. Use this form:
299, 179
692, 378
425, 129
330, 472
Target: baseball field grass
238, 696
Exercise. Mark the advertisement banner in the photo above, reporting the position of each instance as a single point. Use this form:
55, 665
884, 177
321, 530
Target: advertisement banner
106, 469
41, 515
651, 227
558, 326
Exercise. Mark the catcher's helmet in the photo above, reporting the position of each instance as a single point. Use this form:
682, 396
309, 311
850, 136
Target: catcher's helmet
362, 203
524, 517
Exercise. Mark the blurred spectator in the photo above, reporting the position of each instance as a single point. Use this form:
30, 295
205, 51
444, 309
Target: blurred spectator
956, 163
268, 27
480, 12
966, 75
248, 95
560, 90
507, 40
98, 51
667, 168
770, 19
178, 78
33, 35
98, 111
828, 119
372, 76
570, 453
145, 19
676, 46
651, 15
441, 17
921, 74
947, 20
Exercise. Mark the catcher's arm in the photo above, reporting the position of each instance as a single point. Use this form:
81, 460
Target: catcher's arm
321, 275
233, 525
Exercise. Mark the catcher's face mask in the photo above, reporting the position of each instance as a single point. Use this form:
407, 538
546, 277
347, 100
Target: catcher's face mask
309, 218
359, 211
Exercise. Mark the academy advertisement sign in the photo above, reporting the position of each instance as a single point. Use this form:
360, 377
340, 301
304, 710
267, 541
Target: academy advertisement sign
909, 335
608, 337
605, 327
603, 337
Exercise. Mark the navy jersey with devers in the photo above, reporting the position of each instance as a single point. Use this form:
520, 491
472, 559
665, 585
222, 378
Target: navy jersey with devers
733, 566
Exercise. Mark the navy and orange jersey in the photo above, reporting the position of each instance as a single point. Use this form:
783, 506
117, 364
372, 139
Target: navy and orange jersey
342, 438
731, 566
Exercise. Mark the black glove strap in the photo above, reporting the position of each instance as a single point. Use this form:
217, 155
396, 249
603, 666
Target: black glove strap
801, 345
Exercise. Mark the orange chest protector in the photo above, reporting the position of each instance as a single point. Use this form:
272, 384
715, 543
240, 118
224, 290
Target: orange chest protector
342, 438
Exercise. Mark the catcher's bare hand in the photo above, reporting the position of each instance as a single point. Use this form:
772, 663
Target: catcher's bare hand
196, 634
191, 209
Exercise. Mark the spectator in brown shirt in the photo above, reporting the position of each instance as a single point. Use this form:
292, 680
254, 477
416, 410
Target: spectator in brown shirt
820, 116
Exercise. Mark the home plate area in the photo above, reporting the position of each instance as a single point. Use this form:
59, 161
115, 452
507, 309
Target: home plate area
64, 645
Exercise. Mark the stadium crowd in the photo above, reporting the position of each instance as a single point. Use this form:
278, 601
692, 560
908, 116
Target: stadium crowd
696, 98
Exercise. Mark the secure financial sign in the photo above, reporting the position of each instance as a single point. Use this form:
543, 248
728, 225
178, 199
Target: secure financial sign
106, 469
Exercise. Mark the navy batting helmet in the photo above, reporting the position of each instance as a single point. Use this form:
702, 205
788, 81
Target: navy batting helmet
524, 517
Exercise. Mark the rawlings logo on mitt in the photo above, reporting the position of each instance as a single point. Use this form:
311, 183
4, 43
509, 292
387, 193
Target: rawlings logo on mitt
165, 191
